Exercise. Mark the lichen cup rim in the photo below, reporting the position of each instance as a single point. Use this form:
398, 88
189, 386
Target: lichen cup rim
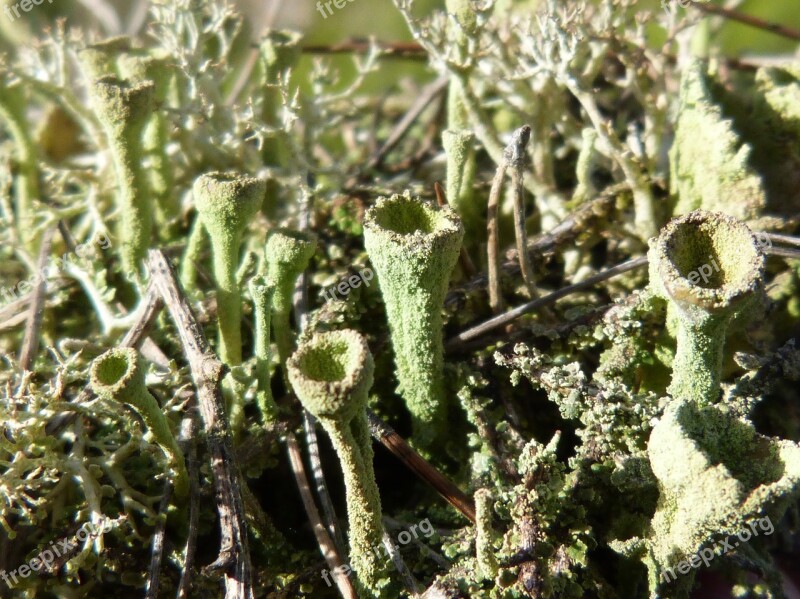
443, 222
288, 245
330, 397
105, 385
748, 270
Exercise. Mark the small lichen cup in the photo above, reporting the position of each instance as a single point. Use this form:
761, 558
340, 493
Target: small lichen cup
287, 254
414, 247
331, 373
226, 203
709, 266
118, 375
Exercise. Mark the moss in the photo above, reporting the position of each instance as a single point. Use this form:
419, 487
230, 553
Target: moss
414, 247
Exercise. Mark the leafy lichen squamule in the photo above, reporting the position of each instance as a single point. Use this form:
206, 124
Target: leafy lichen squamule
414, 248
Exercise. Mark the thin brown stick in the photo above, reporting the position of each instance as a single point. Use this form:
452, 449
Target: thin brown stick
320, 532
190, 549
735, 15
426, 96
418, 465
503, 319
30, 343
207, 372
516, 160
787, 239
564, 232
410, 50
493, 239
148, 310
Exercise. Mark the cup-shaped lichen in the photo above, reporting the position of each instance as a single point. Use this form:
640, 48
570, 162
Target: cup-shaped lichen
331, 374
287, 254
226, 203
414, 248
124, 110
709, 266
118, 375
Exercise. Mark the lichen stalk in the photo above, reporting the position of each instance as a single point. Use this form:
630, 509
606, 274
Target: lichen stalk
709, 266
118, 375
331, 374
262, 290
287, 255
123, 110
226, 203
12, 111
414, 248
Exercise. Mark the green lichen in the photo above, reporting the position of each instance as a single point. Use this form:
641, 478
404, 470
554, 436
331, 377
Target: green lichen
709, 266
262, 290
287, 254
123, 110
118, 375
331, 374
226, 203
414, 248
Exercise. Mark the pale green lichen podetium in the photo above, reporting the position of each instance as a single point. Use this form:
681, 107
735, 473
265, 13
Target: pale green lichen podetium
262, 290
100, 59
12, 112
226, 203
331, 373
709, 266
484, 535
123, 110
287, 254
140, 66
457, 140
118, 375
414, 248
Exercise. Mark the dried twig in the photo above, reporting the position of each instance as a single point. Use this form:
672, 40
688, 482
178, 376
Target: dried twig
503, 319
410, 50
207, 372
419, 466
515, 157
323, 538
493, 238
30, 343
190, 549
426, 96
735, 15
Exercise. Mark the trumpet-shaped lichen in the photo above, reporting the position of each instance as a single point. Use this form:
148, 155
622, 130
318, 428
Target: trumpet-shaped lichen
710, 268
414, 248
262, 290
287, 255
226, 203
332, 374
118, 375
124, 110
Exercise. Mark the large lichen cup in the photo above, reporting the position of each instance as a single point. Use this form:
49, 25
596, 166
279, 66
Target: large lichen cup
226, 203
709, 266
118, 375
331, 374
414, 248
